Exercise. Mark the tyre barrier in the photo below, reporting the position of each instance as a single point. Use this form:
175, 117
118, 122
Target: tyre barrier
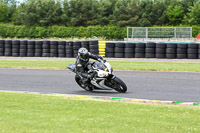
45, 48
153, 50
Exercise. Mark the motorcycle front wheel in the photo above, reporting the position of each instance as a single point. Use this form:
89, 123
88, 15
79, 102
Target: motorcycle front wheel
119, 85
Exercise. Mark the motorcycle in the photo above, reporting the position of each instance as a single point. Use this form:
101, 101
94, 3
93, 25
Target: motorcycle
103, 78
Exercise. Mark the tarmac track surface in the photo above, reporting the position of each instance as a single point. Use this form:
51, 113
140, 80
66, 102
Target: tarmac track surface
165, 86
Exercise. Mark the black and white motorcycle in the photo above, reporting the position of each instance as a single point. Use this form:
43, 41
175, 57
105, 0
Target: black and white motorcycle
103, 78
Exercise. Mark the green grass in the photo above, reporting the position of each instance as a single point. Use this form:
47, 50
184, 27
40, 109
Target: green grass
120, 65
20, 112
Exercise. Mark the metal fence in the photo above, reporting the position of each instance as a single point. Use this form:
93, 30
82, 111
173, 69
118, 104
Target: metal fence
159, 32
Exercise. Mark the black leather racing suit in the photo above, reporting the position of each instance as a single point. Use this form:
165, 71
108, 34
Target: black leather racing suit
82, 66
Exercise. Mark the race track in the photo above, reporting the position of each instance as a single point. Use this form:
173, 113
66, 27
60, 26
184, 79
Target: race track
166, 86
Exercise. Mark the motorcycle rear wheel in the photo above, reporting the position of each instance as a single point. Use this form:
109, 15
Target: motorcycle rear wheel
80, 83
119, 85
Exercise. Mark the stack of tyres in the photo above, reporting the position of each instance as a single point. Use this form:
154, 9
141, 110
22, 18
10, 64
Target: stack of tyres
94, 46
181, 51
53, 48
8, 48
85, 44
150, 50
192, 51
110, 49
2, 43
119, 50
69, 49
38, 48
61, 49
15, 48
160, 50
129, 50
46, 48
76, 46
171, 50
199, 50
23, 48
31, 48
140, 50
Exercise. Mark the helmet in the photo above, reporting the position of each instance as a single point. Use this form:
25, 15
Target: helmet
83, 54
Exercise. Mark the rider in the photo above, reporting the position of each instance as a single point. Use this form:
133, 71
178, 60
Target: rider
82, 62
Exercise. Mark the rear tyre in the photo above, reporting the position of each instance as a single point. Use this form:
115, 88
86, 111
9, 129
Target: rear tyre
119, 85
86, 87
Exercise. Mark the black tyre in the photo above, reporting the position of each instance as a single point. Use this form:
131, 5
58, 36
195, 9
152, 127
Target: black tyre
149, 55
181, 51
110, 45
93, 42
150, 50
181, 56
129, 55
192, 51
150, 45
182, 45
110, 55
94, 47
139, 50
160, 56
160, 50
192, 56
109, 50
61, 55
170, 51
119, 85
38, 54
170, 56
139, 55
129, 45
193, 45
161, 45
119, 55
129, 50
171, 45
120, 45
140, 45
119, 50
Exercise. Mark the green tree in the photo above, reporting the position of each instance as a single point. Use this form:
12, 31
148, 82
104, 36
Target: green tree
39, 12
126, 13
84, 12
4, 11
175, 14
193, 16
66, 13
106, 9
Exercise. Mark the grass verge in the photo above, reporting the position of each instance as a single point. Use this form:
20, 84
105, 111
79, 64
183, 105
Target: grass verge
21, 112
120, 65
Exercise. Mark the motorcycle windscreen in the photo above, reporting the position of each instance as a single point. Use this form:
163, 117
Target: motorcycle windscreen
71, 67
98, 65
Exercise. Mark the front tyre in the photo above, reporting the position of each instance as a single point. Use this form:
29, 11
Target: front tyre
119, 85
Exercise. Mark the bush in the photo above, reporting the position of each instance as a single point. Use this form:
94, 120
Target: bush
108, 32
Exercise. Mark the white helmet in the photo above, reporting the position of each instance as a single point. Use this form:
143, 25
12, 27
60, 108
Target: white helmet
83, 54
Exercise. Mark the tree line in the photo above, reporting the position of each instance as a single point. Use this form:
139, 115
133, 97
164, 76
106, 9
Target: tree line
122, 13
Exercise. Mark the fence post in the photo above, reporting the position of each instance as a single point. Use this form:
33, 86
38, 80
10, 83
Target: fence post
190, 32
174, 32
127, 32
146, 32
